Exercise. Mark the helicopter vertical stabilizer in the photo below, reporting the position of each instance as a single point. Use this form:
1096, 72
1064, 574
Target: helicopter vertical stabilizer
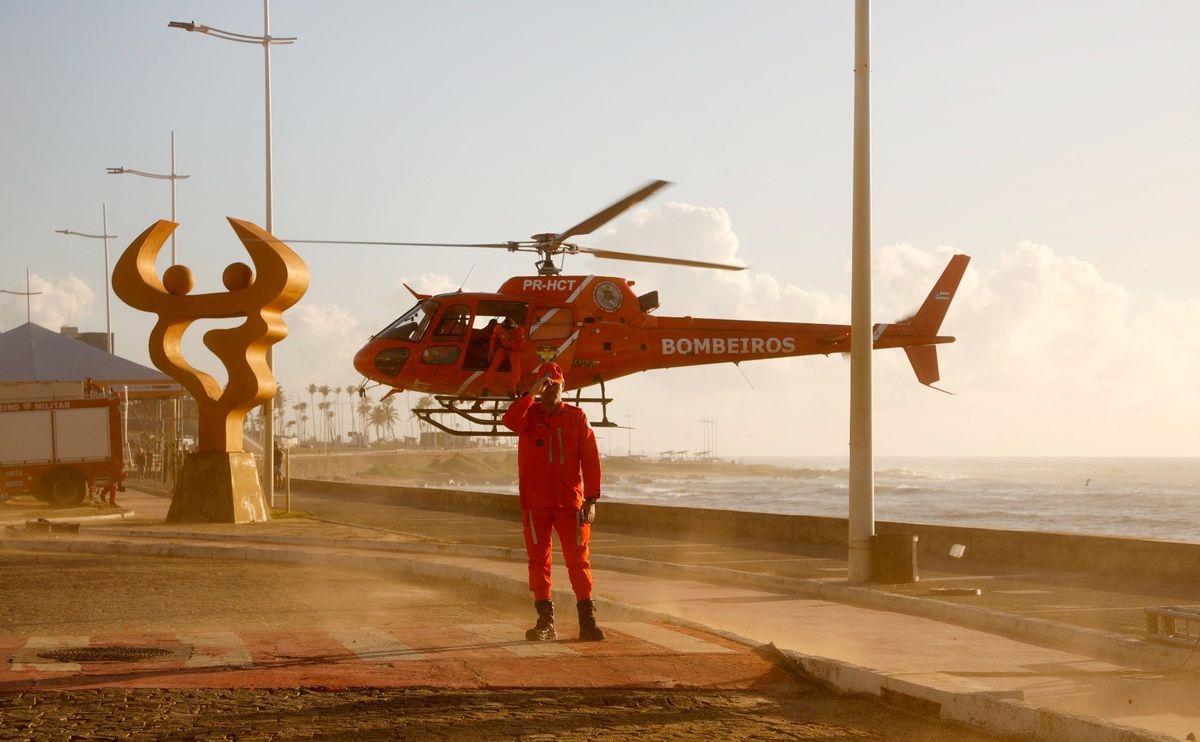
921, 330
928, 319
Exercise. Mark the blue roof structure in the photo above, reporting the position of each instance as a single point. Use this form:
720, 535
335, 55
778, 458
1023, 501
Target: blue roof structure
30, 352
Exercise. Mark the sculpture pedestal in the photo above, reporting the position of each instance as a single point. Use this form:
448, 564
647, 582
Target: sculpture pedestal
218, 487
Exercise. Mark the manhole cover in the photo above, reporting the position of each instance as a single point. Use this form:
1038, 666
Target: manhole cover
107, 654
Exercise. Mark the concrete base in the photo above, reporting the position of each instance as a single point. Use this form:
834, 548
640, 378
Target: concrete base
218, 487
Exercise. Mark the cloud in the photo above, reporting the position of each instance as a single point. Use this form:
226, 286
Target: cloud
62, 301
1053, 320
706, 233
320, 347
429, 283
1056, 358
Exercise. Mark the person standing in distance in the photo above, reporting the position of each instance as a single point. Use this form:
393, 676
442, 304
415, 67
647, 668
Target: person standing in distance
559, 469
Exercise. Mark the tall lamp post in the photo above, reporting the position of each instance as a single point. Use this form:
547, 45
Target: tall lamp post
104, 235
265, 40
176, 418
173, 176
862, 462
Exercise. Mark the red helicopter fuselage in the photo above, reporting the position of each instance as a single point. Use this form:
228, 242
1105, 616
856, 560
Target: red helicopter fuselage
597, 329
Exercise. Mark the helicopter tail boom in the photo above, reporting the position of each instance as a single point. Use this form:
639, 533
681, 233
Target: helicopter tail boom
687, 341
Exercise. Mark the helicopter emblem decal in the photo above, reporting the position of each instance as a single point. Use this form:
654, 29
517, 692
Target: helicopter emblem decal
607, 296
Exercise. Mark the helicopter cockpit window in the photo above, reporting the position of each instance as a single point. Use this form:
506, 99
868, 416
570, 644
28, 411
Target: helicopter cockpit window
455, 322
551, 323
412, 324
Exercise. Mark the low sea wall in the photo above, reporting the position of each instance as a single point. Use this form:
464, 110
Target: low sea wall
354, 463
1063, 552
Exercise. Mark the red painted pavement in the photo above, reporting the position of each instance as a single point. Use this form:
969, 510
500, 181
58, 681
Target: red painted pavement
437, 657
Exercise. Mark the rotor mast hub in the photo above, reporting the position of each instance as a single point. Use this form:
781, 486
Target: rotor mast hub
548, 245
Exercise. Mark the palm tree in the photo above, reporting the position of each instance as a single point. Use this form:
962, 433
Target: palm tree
298, 408
324, 417
338, 406
379, 420
425, 402
302, 408
350, 390
280, 404
312, 389
390, 415
324, 391
364, 415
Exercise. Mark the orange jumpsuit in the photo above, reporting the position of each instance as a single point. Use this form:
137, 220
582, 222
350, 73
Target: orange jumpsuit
559, 467
505, 343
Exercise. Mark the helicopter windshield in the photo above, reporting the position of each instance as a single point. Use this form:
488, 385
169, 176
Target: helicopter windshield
412, 324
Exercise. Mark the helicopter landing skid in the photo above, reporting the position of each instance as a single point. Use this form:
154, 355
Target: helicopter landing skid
483, 414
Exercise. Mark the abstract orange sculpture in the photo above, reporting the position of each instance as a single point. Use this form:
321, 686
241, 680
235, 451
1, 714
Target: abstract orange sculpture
277, 281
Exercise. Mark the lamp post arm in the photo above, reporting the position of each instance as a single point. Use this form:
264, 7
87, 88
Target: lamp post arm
85, 234
230, 35
131, 171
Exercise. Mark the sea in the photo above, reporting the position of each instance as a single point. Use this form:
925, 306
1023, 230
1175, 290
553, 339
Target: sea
1155, 498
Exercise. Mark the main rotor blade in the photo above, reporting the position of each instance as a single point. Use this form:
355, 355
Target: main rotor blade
587, 226
613, 255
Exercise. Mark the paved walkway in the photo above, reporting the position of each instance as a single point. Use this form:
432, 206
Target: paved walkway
932, 658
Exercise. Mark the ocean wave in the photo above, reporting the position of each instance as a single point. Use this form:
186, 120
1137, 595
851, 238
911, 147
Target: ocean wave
1133, 498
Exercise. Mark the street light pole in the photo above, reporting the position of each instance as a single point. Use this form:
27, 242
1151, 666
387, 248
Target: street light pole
172, 177
266, 40
861, 518
104, 235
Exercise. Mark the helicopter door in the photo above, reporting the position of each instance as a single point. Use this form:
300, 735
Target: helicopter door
552, 335
449, 336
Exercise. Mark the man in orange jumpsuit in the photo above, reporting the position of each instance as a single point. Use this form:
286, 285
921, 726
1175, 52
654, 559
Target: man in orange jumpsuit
508, 340
559, 468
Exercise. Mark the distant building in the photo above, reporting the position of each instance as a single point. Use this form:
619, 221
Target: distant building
94, 339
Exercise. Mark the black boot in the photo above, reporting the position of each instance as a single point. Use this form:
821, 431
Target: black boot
588, 630
544, 631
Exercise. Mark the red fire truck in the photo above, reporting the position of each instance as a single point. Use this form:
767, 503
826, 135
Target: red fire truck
59, 450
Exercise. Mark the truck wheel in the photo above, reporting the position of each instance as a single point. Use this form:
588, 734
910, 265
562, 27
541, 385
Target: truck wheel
67, 490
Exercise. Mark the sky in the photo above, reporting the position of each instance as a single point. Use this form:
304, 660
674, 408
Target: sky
1058, 144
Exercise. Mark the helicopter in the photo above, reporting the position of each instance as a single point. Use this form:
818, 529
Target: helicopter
597, 329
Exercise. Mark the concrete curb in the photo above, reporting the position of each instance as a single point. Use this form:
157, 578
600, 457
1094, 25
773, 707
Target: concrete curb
1053, 635
960, 700
950, 698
